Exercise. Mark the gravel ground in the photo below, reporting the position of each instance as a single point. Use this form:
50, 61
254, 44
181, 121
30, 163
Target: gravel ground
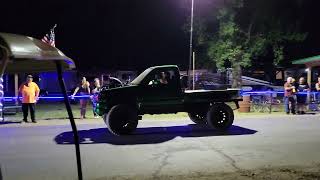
279, 173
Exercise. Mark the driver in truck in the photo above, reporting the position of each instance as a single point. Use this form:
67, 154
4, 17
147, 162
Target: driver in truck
160, 79
164, 78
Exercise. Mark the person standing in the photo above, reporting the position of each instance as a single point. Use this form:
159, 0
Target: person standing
30, 93
294, 91
94, 97
289, 94
302, 90
84, 91
318, 90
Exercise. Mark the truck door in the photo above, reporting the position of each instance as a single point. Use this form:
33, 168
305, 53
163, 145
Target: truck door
162, 93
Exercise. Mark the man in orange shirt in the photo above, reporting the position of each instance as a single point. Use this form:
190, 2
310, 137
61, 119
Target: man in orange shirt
30, 93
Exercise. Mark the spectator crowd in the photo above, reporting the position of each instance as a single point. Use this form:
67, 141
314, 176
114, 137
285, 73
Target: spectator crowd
296, 95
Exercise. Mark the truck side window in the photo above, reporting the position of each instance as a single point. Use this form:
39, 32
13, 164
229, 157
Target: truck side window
163, 79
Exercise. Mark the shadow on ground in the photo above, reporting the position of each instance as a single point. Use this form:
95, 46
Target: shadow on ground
10, 122
309, 113
60, 118
148, 135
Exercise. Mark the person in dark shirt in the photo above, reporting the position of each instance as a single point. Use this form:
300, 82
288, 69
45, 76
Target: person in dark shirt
289, 93
302, 89
84, 90
94, 96
317, 86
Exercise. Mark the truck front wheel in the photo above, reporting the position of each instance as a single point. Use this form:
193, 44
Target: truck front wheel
198, 117
220, 117
121, 119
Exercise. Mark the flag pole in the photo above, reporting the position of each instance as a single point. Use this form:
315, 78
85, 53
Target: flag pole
53, 36
55, 25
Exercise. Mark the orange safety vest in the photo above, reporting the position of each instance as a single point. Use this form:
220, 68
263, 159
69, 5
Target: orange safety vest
29, 92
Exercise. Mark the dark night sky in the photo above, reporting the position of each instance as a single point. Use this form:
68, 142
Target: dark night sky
123, 34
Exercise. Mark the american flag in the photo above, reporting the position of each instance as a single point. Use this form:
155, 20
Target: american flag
50, 38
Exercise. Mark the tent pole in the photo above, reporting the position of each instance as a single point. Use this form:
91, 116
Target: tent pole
4, 59
71, 118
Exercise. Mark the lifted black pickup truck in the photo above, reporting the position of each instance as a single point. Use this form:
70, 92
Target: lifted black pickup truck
157, 91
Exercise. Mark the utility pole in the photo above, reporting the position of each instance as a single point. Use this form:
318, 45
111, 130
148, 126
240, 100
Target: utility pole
193, 70
191, 41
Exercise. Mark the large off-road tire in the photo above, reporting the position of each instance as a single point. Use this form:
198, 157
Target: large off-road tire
121, 119
198, 117
220, 117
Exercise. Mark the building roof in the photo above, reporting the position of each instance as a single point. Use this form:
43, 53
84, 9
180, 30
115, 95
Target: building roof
310, 61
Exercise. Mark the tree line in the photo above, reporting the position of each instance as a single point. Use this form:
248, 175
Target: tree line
239, 32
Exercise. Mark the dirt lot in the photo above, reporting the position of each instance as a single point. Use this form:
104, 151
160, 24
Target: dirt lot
280, 173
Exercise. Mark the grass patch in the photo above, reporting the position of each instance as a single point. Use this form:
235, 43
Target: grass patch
54, 111
58, 111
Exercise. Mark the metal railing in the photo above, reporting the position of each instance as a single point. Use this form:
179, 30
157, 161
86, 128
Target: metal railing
267, 101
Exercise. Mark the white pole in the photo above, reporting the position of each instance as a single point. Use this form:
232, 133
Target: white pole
16, 87
309, 78
102, 80
193, 70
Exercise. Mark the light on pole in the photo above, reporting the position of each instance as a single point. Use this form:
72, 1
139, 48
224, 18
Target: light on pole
191, 41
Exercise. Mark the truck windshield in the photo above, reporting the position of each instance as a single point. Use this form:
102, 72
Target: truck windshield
138, 79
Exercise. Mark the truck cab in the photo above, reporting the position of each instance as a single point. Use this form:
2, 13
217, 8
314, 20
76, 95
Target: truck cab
160, 90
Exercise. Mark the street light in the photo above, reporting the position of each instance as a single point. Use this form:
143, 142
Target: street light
191, 40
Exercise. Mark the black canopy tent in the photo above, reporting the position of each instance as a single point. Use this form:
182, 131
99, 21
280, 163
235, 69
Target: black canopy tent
26, 54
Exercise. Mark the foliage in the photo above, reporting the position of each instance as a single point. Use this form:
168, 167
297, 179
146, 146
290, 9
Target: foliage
248, 30
242, 40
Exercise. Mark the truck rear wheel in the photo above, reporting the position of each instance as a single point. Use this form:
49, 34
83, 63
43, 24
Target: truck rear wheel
220, 117
121, 119
198, 117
